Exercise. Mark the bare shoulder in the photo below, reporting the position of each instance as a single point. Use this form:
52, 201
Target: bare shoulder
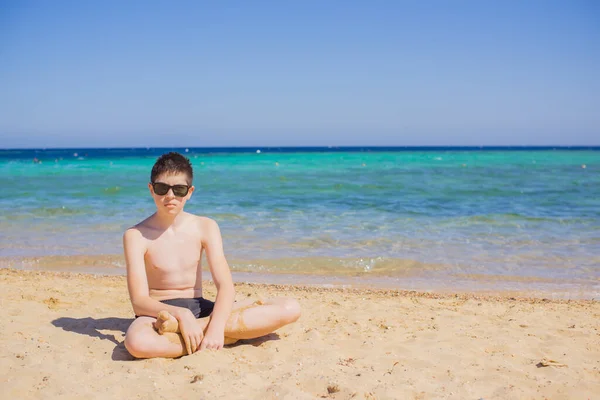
207, 223
207, 228
133, 234
133, 241
201, 222
136, 233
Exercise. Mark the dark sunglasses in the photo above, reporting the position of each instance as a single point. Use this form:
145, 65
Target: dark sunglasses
178, 190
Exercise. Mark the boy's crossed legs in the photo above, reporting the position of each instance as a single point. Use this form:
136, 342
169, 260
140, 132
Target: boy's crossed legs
148, 337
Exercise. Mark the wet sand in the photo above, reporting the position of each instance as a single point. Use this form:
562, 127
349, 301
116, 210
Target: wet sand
335, 272
63, 337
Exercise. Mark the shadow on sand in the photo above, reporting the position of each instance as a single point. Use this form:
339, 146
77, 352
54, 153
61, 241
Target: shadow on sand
92, 327
257, 341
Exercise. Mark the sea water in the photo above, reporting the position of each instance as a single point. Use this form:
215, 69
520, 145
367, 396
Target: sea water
510, 214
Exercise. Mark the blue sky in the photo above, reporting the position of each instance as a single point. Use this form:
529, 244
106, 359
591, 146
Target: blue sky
187, 73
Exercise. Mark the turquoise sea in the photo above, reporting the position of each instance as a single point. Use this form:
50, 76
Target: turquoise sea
496, 218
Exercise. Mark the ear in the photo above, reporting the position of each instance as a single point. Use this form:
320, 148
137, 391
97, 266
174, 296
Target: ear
151, 188
192, 188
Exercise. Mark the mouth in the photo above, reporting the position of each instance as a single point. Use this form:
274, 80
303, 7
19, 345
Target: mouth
170, 205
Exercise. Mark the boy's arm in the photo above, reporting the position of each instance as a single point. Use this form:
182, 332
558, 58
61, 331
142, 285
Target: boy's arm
213, 243
137, 281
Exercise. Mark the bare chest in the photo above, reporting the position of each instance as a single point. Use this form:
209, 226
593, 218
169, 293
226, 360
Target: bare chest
168, 254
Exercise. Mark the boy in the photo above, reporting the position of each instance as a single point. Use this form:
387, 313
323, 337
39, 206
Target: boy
164, 277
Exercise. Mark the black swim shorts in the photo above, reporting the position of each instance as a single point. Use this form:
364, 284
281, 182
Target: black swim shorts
199, 306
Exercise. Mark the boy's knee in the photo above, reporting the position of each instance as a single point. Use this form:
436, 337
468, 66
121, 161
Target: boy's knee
137, 347
292, 310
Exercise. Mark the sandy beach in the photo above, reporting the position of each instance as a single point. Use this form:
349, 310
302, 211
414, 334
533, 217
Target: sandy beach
63, 337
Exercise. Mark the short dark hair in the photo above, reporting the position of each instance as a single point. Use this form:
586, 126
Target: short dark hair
172, 163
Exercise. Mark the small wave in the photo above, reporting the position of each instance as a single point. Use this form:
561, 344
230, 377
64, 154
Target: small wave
56, 211
71, 262
315, 243
373, 186
522, 217
112, 190
499, 219
332, 266
228, 217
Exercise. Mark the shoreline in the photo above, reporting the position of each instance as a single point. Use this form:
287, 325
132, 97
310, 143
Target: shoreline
349, 343
339, 287
432, 280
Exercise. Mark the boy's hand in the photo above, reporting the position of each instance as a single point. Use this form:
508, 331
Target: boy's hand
190, 331
214, 338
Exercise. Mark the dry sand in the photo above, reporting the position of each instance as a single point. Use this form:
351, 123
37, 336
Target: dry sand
62, 337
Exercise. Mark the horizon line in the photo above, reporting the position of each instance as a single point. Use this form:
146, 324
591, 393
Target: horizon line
302, 146
330, 147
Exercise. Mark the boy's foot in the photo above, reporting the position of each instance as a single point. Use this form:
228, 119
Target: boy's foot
229, 340
165, 322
